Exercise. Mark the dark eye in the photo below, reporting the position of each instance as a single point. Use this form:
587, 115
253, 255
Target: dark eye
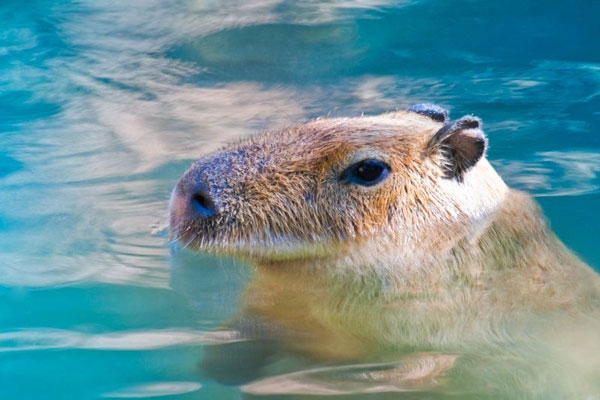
366, 172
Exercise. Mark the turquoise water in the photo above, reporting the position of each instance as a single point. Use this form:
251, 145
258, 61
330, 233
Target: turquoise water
103, 105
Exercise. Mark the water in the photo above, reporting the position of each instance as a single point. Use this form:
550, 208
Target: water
104, 104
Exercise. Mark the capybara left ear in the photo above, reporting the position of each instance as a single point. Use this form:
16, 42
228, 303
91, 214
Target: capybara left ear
461, 143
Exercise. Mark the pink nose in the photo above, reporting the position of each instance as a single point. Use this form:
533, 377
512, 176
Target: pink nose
193, 199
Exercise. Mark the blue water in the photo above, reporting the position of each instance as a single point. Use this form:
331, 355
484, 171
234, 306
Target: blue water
103, 105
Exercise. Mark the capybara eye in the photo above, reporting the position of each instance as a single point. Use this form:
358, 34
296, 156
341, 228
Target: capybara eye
366, 172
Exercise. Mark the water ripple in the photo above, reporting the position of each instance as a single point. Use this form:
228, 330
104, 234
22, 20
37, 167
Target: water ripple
554, 173
155, 389
43, 339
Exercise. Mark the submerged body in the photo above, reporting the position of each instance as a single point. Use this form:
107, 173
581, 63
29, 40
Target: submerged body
381, 238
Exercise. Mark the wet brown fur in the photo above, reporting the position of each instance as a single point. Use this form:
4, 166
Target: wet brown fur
420, 261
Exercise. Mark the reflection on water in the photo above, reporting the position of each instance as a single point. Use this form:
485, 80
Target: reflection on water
554, 173
418, 372
143, 340
155, 390
103, 104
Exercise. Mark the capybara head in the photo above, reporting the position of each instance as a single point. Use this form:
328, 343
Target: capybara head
331, 184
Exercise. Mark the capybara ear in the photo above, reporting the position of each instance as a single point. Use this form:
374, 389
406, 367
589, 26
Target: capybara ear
432, 111
461, 143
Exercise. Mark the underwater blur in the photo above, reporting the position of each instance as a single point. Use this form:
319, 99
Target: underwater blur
104, 104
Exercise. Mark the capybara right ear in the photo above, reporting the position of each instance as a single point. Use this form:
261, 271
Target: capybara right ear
432, 111
461, 144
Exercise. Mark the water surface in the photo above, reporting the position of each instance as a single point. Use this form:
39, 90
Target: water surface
104, 104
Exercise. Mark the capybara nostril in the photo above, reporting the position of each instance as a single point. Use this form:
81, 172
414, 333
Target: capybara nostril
203, 205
